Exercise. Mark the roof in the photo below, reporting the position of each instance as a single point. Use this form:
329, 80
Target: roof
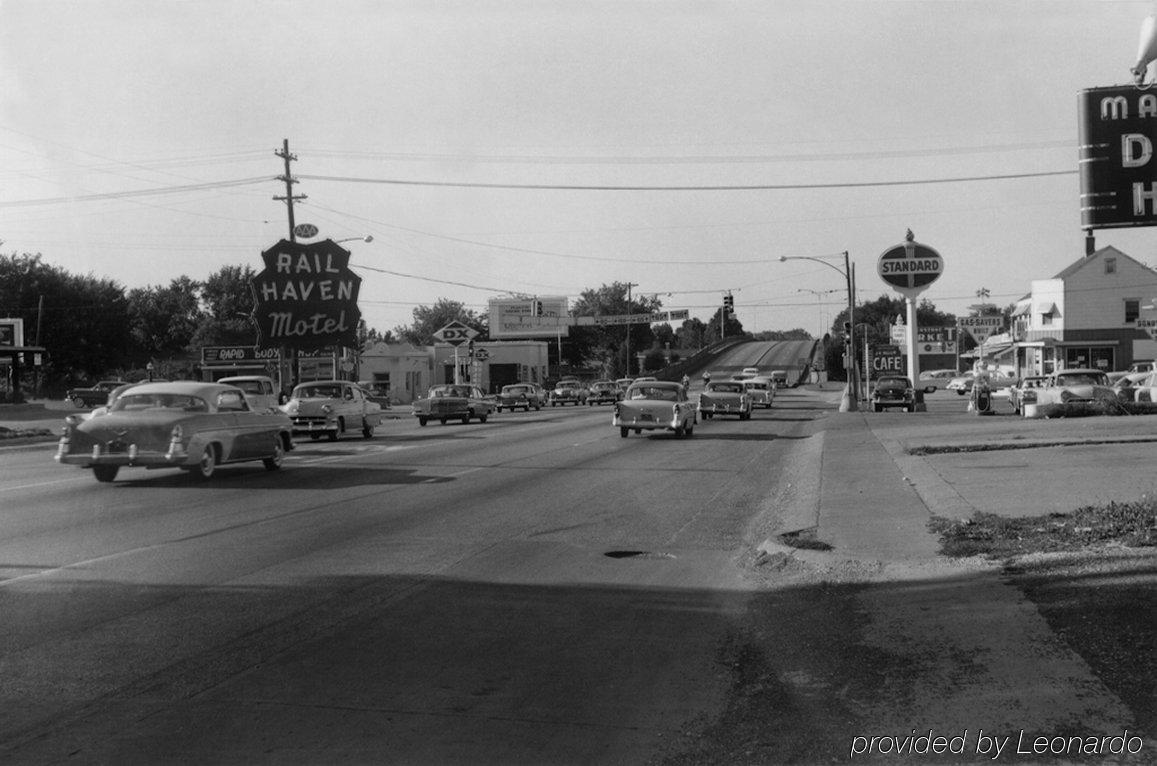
186, 387
1076, 266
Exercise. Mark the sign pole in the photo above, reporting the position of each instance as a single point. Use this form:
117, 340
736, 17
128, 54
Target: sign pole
457, 377
913, 360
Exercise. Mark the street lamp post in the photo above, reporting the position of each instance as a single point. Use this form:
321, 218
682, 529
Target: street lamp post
848, 402
819, 294
366, 238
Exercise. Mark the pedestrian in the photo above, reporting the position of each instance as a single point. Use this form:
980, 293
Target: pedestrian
706, 378
686, 381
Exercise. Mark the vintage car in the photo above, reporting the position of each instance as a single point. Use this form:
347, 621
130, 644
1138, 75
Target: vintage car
453, 401
189, 425
934, 380
376, 392
260, 391
520, 395
780, 378
1068, 388
1016, 390
568, 390
655, 405
1134, 369
623, 384
83, 398
962, 384
725, 397
893, 391
603, 391
331, 408
761, 391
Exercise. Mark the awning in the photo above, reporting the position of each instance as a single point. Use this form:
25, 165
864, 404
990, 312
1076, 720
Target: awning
1022, 309
1049, 308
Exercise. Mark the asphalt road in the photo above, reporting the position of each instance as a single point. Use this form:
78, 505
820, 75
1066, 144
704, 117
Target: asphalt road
535, 589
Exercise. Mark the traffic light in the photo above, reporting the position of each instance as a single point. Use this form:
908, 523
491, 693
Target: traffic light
536, 308
729, 304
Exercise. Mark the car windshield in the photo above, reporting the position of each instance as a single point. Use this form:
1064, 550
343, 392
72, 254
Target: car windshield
726, 388
444, 391
1081, 379
756, 386
515, 389
248, 386
317, 392
136, 402
654, 392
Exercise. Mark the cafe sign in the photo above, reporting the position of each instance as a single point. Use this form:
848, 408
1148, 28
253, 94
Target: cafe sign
306, 297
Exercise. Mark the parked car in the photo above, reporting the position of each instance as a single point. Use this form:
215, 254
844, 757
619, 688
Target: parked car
934, 380
516, 395
754, 371
1134, 368
725, 397
451, 401
376, 392
1016, 391
893, 391
83, 398
568, 391
331, 408
260, 391
1079, 385
603, 391
961, 384
189, 425
761, 391
655, 405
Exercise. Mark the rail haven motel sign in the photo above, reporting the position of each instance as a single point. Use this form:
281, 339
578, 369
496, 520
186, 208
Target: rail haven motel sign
306, 297
1117, 168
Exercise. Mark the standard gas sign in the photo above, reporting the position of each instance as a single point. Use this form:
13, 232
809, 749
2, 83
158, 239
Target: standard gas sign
910, 267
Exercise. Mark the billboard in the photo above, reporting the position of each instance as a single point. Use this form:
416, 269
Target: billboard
539, 317
1116, 164
11, 332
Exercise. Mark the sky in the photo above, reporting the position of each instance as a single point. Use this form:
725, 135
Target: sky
499, 147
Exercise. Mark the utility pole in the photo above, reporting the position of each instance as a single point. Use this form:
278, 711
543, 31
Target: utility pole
629, 286
289, 182
288, 356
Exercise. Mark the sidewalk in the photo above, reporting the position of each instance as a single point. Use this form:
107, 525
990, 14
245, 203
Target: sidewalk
874, 497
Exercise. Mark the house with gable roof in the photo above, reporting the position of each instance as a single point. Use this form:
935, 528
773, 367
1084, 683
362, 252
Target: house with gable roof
1086, 316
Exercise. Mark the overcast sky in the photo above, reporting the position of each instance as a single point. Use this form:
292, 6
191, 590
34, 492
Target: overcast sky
100, 100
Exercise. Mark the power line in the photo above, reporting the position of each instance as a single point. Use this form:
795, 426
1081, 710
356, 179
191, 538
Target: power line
724, 187
138, 192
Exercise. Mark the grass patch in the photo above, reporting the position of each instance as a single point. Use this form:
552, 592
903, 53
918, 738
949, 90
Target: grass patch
1130, 524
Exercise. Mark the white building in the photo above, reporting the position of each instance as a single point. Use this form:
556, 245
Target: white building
1085, 316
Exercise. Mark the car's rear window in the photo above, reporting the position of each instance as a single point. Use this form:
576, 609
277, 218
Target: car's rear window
654, 392
136, 402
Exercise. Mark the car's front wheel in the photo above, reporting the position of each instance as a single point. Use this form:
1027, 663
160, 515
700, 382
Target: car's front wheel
207, 465
273, 462
623, 432
367, 430
423, 421
105, 473
78, 402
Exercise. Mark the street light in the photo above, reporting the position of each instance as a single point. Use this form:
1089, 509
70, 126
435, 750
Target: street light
366, 238
848, 402
823, 317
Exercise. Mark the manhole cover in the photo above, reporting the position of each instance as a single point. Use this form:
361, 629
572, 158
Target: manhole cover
637, 555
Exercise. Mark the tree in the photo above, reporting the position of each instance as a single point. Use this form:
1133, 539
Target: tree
731, 326
79, 320
163, 320
429, 319
692, 334
608, 344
